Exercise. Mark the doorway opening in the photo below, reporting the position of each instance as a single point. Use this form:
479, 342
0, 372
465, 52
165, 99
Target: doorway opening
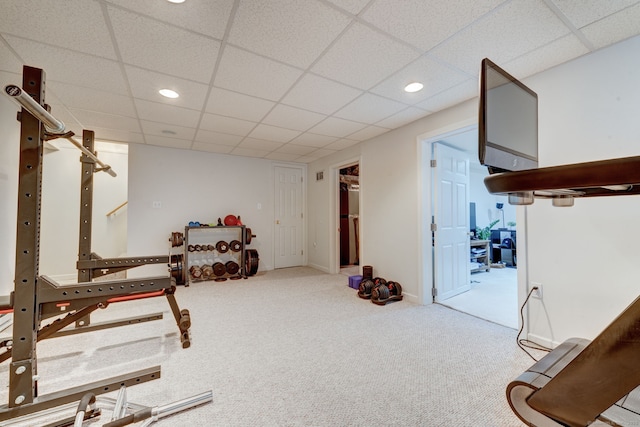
492, 293
349, 219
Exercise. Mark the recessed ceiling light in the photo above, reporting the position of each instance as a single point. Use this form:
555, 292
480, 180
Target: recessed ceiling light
176, 1
169, 93
413, 87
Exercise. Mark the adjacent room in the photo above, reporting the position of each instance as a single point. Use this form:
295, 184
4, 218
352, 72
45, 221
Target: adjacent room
195, 192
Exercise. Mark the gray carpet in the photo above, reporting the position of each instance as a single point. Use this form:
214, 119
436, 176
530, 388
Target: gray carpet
297, 347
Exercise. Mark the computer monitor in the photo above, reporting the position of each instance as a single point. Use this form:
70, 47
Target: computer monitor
508, 121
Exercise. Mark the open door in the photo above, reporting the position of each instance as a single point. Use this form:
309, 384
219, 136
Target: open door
450, 221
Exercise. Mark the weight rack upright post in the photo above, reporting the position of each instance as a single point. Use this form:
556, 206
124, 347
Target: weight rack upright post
23, 370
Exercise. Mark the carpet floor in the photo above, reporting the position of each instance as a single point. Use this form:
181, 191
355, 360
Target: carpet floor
297, 347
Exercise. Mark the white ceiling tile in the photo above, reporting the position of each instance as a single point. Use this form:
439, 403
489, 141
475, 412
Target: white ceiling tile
403, 117
170, 114
614, 28
424, 24
273, 133
363, 57
451, 97
10, 62
337, 127
162, 141
322, 152
212, 148
233, 104
43, 21
167, 131
71, 67
291, 31
370, 108
348, 62
556, 52
524, 25
307, 159
249, 152
207, 17
91, 99
283, 157
585, 12
313, 140
7, 78
245, 72
146, 84
367, 133
149, 44
435, 77
94, 119
217, 138
318, 94
341, 144
292, 118
351, 6
62, 113
226, 124
259, 144
118, 135
295, 149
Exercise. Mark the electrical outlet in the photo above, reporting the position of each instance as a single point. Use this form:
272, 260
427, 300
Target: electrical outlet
537, 293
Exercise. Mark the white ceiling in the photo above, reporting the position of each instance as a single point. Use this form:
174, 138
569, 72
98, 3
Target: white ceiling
289, 80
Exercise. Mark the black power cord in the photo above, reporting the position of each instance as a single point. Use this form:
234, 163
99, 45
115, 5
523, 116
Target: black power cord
522, 343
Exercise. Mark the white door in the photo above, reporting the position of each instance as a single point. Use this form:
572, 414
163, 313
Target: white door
451, 219
288, 229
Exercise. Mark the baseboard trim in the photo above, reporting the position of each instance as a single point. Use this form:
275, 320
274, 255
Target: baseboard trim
319, 267
543, 341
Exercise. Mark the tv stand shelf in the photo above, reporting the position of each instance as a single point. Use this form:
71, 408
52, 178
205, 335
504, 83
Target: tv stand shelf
613, 177
483, 257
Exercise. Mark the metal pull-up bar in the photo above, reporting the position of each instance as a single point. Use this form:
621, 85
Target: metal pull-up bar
53, 125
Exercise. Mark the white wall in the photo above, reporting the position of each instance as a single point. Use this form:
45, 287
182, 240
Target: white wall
60, 203
9, 154
391, 194
486, 210
196, 186
61, 208
586, 256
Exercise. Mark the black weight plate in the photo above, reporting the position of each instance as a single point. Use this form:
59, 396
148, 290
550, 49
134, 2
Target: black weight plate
235, 245
232, 267
222, 247
219, 269
176, 268
251, 262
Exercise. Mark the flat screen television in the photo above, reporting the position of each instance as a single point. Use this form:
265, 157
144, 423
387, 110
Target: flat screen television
508, 121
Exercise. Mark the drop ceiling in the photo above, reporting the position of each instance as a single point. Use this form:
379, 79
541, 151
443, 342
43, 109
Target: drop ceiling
287, 80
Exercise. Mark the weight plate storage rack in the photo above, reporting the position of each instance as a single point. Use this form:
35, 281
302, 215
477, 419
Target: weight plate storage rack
218, 253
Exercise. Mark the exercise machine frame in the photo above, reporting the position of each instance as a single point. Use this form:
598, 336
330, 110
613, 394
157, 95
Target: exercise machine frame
580, 382
36, 297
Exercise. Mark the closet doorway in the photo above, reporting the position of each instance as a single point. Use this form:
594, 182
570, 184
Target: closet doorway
349, 218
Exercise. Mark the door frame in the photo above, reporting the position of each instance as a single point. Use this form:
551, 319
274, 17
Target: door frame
424, 157
334, 209
303, 188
